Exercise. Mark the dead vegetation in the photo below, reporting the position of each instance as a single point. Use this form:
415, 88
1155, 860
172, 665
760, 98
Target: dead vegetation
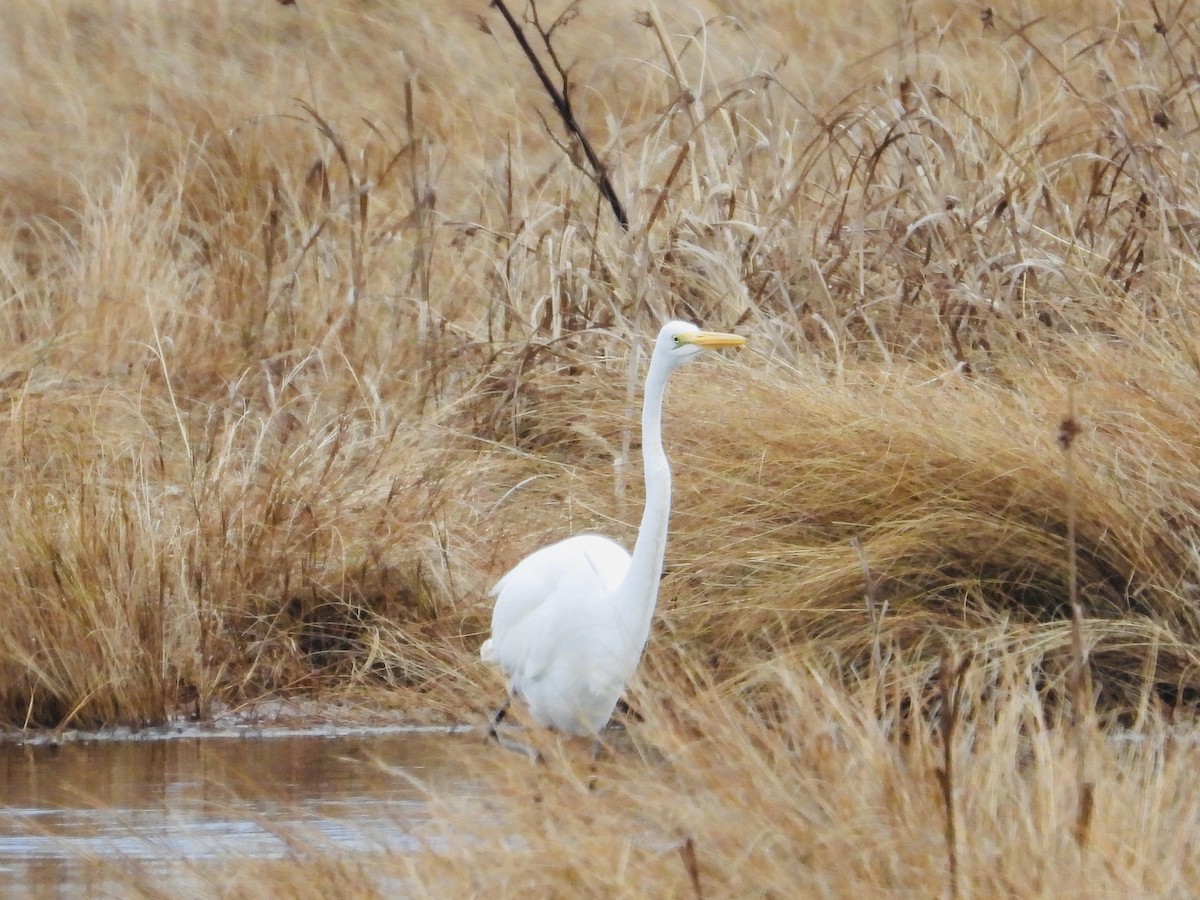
314, 321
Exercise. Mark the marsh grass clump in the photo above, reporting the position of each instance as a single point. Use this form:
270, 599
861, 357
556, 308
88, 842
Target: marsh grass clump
314, 320
706, 797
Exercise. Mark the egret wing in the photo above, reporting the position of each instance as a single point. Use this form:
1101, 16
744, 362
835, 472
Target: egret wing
543, 589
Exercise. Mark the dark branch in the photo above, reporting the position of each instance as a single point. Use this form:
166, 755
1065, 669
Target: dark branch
563, 107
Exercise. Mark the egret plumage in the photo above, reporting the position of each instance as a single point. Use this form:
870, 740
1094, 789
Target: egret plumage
571, 620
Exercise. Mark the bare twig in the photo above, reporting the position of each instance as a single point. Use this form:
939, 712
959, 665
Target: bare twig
562, 103
1067, 432
1080, 680
951, 673
875, 610
687, 851
357, 191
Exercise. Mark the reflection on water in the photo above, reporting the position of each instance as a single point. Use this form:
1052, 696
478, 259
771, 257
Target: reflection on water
70, 814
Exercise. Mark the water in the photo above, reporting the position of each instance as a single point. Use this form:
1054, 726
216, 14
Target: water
71, 814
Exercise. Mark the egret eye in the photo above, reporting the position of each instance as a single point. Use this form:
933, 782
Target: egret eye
675, 339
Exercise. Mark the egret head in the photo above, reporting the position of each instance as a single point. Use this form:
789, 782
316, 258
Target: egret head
681, 342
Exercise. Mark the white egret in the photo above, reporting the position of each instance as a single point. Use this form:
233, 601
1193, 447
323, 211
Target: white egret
571, 620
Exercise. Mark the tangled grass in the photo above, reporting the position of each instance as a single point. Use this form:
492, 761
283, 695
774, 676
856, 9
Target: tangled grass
290, 382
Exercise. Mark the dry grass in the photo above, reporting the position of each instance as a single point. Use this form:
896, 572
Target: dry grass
311, 327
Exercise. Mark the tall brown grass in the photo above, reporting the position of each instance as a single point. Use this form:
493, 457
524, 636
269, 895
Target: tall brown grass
313, 322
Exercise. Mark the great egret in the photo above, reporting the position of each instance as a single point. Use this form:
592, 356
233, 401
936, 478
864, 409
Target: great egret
571, 619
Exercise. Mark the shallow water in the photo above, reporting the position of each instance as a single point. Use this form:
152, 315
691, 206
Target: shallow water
71, 814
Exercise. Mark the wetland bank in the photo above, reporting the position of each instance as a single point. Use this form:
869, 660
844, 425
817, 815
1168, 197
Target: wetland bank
313, 323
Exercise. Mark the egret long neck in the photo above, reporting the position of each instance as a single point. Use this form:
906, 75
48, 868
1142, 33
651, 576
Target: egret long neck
639, 590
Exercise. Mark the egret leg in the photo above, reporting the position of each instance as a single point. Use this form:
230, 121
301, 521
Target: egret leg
597, 750
532, 753
507, 743
497, 718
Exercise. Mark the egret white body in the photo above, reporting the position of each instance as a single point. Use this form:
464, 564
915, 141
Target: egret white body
571, 620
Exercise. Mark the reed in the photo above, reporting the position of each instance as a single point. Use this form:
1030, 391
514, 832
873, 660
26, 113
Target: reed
312, 324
